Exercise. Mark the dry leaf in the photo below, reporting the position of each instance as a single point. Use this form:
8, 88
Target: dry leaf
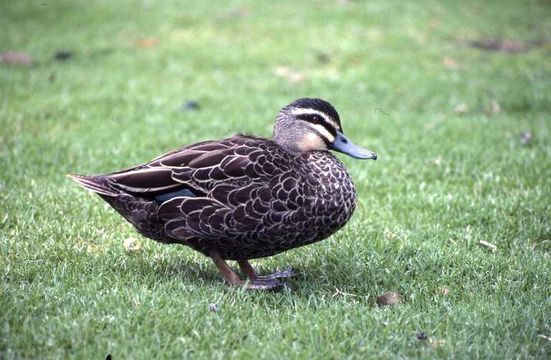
461, 108
506, 46
92, 249
444, 291
488, 245
494, 107
15, 58
437, 342
389, 298
132, 244
289, 74
148, 42
449, 62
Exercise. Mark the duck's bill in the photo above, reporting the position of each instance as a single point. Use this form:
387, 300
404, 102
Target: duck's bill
342, 144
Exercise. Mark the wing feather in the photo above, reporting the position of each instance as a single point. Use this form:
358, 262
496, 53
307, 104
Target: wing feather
198, 167
237, 183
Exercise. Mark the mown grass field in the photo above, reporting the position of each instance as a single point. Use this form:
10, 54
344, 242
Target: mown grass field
444, 116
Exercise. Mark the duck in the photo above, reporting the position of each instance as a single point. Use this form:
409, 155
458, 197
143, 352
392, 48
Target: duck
243, 197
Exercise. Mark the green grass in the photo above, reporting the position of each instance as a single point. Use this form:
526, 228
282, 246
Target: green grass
444, 181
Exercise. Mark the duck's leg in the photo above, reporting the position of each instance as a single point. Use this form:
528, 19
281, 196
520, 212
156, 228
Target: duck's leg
248, 270
231, 277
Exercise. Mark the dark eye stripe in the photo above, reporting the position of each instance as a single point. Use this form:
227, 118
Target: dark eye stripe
318, 120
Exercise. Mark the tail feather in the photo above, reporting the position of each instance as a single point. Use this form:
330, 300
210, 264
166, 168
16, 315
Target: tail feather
96, 184
140, 212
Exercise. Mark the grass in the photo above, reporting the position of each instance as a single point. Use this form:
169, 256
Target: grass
445, 119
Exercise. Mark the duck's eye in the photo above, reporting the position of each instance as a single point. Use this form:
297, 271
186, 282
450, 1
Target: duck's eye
313, 118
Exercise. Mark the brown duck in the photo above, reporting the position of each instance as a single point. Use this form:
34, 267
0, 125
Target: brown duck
243, 197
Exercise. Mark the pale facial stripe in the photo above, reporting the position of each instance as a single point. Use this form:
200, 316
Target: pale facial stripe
325, 117
322, 131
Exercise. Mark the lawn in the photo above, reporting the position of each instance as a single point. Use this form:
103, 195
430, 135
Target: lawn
453, 96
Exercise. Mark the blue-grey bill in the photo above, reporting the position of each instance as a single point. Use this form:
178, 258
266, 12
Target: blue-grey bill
342, 144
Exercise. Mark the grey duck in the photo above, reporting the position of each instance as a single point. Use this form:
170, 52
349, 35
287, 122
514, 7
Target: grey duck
243, 197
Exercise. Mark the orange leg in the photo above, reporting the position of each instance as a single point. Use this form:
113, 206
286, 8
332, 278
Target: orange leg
231, 277
227, 273
247, 269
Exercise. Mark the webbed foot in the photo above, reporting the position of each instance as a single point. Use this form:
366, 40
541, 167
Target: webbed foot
265, 283
248, 270
278, 275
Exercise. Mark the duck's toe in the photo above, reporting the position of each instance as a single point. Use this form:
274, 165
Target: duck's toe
248, 270
278, 275
265, 285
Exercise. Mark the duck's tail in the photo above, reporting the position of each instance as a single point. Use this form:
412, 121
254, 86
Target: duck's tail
140, 212
98, 184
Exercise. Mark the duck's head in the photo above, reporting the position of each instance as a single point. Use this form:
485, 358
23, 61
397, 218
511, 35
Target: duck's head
314, 124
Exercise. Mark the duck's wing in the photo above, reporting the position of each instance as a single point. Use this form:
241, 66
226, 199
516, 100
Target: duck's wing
214, 189
200, 168
227, 190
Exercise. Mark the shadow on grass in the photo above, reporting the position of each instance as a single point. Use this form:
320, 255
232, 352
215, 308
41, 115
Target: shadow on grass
311, 277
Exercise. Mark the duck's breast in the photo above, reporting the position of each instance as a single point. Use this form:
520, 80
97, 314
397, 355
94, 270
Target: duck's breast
308, 204
331, 190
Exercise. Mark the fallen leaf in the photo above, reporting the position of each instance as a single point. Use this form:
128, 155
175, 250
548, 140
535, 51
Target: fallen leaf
132, 244
444, 291
389, 298
148, 42
505, 45
15, 58
461, 108
494, 107
389, 234
449, 62
488, 245
289, 74
92, 249
437, 342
